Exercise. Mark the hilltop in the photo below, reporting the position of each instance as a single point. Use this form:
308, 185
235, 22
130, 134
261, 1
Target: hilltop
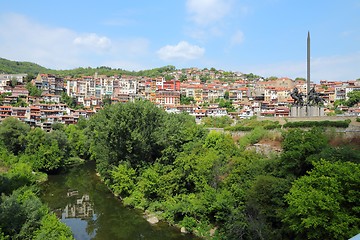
14, 67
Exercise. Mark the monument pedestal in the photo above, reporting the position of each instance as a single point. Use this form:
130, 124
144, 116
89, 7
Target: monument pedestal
307, 111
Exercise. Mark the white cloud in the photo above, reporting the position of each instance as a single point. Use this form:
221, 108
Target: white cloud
237, 38
22, 39
182, 51
93, 40
204, 12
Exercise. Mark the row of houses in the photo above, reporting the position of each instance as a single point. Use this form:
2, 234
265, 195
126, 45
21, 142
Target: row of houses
249, 98
44, 115
163, 92
167, 93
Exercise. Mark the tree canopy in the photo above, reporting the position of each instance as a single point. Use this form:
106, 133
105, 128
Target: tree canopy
324, 203
214, 184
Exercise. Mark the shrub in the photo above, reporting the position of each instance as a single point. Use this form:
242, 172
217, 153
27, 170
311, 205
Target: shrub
339, 124
253, 137
238, 128
189, 223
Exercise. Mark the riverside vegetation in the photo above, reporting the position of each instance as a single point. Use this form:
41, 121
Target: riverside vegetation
204, 181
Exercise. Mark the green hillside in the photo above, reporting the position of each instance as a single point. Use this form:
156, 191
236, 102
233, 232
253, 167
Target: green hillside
12, 67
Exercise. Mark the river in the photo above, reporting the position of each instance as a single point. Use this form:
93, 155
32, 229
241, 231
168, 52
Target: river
84, 203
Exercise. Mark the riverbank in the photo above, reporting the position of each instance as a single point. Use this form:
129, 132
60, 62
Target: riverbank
83, 202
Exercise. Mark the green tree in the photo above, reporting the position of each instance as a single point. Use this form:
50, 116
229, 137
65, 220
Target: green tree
48, 157
20, 174
183, 77
226, 104
176, 130
13, 82
13, 133
21, 213
107, 100
324, 204
123, 178
125, 132
69, 101
169, 77
298, 145
265, 207
33, 90
251, 76
59, 137
186, 100
339, 102
29, 77
204, 78
34, 139
52, 228
20, 103
272, 78
221, 142
353, 98
77, 141
3, 96
217, 122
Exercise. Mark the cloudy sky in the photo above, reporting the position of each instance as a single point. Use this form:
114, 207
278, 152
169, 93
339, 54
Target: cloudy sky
265, 37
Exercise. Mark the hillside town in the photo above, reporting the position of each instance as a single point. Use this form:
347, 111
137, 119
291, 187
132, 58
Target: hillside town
201, 93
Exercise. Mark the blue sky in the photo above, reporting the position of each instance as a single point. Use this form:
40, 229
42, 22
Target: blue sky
265, 37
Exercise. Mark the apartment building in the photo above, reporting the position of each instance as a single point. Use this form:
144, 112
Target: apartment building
166, 97
49, 83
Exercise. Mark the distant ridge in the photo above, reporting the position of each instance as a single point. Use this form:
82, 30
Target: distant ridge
13, 67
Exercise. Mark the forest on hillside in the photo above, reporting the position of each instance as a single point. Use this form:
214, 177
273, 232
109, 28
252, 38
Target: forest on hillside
13, 67
208, 182
32, 69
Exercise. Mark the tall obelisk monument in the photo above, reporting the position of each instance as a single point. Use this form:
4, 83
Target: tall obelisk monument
308, 67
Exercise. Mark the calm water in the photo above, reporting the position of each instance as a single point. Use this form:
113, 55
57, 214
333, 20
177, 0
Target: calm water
84, 203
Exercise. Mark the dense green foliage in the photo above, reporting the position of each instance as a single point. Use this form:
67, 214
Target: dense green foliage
42, 150
298, 147
186, 100
22, 214
33, 90
25, 151
324, 203
138, 133
7, 66
298, 124
12, 67
217, 122
353, 98
191, 177
12, 135
252, 123
200, 180
223, 103
252, 137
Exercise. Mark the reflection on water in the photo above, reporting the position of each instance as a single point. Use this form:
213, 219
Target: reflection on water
84, 203
82, 209
78, 214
